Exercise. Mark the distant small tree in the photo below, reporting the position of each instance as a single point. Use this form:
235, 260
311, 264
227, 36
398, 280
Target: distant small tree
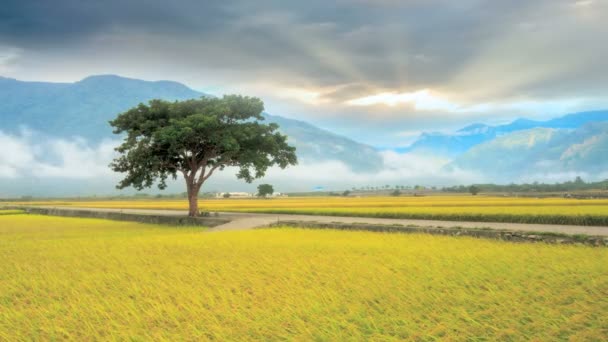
396, 193
265, 190
226, 195
474, 190
346, 193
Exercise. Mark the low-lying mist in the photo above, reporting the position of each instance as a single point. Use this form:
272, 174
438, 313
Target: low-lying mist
36, 165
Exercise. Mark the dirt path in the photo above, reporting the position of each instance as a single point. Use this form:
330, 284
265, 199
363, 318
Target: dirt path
243, 221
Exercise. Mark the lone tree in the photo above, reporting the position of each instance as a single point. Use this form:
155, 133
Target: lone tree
265, 190
474, 190
195, 138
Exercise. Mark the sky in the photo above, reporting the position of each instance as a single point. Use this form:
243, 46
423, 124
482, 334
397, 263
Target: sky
379, 71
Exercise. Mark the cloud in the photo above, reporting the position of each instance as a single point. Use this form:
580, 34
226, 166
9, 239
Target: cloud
480, 59
15, 155
462, 46
420, 100
26, 155
400, 169
36, 165
44, 166
427, 100
8, 57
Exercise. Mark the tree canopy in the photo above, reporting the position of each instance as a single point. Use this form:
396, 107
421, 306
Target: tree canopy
195, 138
265, 190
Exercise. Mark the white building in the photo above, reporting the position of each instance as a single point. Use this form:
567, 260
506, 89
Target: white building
233, 194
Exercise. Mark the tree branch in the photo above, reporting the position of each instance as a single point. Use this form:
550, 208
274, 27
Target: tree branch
204, 177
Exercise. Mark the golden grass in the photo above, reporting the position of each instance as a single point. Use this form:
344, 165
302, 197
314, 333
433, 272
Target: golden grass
462, 208
87, 279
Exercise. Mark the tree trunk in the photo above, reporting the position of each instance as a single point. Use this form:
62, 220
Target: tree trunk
192, 199
193, 205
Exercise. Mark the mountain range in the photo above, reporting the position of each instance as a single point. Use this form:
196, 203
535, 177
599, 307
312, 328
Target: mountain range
454, 144
572, 144
540, 151
83, 109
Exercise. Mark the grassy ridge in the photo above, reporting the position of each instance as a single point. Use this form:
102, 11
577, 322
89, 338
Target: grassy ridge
453, 215
86, 279
10, 212
453, 208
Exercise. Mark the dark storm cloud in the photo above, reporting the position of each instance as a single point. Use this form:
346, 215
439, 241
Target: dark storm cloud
416, 43
473, 51
69, 21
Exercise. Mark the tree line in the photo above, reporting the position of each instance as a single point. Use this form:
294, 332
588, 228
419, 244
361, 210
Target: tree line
577, 184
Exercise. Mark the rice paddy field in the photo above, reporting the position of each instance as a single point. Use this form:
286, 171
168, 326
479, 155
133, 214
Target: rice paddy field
592, 212
88, 279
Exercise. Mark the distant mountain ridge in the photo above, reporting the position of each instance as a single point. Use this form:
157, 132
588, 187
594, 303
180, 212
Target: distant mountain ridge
454, 144
84, 108
540, 151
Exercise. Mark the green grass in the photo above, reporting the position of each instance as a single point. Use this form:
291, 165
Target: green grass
88, 279
454, 214
10, 212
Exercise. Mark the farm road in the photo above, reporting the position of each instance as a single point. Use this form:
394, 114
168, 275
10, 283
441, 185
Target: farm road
244, 221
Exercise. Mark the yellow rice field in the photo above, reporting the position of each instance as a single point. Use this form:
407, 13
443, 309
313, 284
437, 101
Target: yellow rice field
463, 208
88, 279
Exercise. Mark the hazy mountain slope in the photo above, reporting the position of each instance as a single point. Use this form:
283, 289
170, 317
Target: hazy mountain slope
314, 144
84, 108
454, 144
540, 150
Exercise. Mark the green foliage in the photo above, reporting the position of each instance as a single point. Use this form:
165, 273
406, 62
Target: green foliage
226, 195
576, 185
11, 212
165, 138
195, 138
346, 193
396, 193
474, 190
265, 190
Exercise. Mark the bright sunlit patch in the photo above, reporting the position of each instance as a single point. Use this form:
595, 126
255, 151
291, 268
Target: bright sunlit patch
583, 3
421, 99
301, 95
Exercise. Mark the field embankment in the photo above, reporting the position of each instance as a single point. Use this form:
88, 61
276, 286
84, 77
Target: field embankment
89, 279
590, 212
10, 212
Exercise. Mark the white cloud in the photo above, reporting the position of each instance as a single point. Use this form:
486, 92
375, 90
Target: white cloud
15, 155
400, 169
35, 165
421, 100
427, 100
8, 56
27, 155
